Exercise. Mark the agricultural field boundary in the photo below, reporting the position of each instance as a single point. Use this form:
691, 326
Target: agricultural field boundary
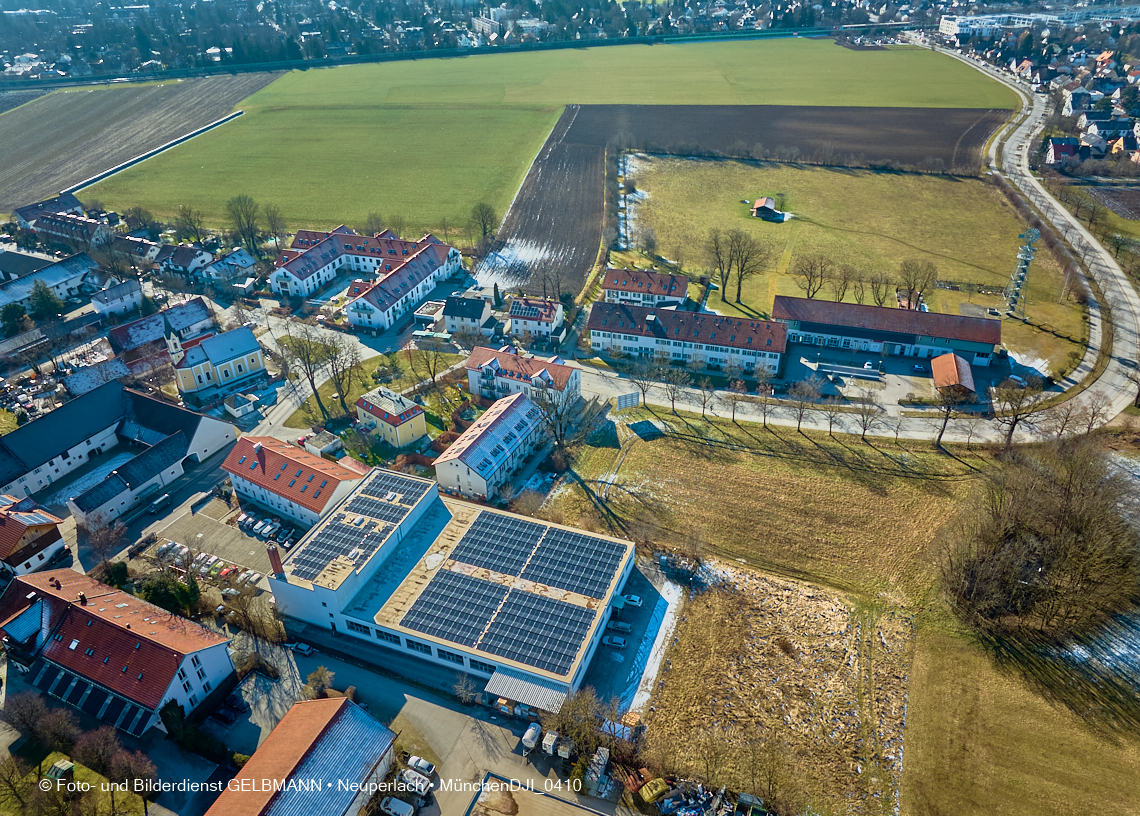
148, 154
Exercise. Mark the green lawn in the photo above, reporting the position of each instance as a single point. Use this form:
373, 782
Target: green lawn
126, 802
425, 139
870, 220
7, 422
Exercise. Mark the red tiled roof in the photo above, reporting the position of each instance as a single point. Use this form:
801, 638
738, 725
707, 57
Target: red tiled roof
121, 631
524, 368
291, 472
14, 522
641, 280
278, 757
691, 327
546, 310
949, 370
885, 319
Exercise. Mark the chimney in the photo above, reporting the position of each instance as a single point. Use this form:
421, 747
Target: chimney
128, 626
82, 599
275, 560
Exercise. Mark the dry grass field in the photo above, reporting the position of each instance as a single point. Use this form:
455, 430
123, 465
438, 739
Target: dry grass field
872, 221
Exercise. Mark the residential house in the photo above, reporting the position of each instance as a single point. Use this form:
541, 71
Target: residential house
107, 653
182, 261
392, 417
640, 287
239, 405
481, 461
952, 373
467, 315
29, 536
218, 366
47, 449
404, 271
1061, 149
765, 209
287, 479
1092, 145
27, 216
67, 278
323, 443
312, 741
73, 229
536, 317
143, 343
123, 297
885, 331
141, 251
688, 337
238, 263
495, 374
1128, 143
1112, 129
1090, 117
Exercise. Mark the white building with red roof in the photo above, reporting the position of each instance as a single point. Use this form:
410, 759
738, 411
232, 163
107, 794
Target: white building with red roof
640, 287
534, 316
115, 657
29, 535
287, 479
394, 418
398, 274
335, 742
484, 457
494, 374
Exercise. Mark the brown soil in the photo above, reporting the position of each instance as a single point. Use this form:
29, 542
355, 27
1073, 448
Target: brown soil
66, 137
1124, 201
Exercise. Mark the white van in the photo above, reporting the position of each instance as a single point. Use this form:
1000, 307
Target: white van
395, 807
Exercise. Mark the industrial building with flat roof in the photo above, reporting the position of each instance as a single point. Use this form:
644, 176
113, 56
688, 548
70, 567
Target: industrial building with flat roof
519, 602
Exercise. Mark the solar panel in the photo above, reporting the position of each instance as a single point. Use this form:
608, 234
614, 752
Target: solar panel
499, 543
575, 562
338, 538
538, 631
383, 482
455, 607
377, 508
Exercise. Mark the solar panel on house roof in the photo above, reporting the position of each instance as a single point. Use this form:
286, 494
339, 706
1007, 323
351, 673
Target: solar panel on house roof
377, 508
575, 561
537, 631
524, 311
499, 543
338, 538
383, 482
455, 607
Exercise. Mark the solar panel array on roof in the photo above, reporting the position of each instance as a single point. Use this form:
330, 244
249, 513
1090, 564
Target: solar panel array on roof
382, 483
519, 310
575, 561
538, 631
455, 607
377, 508
498, 543
356, 541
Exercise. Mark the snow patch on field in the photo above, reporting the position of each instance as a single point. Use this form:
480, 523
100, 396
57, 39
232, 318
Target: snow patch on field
510, 266
1033, 365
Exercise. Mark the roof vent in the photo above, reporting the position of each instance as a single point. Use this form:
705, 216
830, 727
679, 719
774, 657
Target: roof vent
257, 447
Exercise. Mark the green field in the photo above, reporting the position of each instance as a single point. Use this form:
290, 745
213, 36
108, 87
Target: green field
872, 221
425, 139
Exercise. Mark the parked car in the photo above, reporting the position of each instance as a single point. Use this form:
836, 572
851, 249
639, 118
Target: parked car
216, 569
198, 559
237, 702
241, 579
301, 648
421, 765
918, 369
633, 600
268, 532
228, 574
257, 528
253, 579
867, 366
614, 641
287, 543
415, 780
231, 592
224, 714
242, 520
396, 807
164, 549
1013, 378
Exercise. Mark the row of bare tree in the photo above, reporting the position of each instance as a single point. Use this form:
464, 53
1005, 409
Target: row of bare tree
913, 281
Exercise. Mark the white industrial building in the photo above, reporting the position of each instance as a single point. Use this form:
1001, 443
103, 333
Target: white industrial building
515, 602
485, 456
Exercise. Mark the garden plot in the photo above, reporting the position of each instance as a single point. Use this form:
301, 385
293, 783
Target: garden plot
762, 661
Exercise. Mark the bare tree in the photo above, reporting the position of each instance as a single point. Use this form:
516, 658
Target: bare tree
644, 374
868, 412
106, 540
1063, 419
244, 215
1015, 405
706, 393
96, 748
674, 381
344, 364
445, 228
736, 395
15, 783
880, 288
720, 259
189, 224
1098, 411
129, 768
559, 413
275, 223
804, 395
769, 409
484, 220
309, 355
917, 278
749, 256
949, 405
464, 689
1132, 374
811, 272
832, 409
427, 362
859, 286
841, 279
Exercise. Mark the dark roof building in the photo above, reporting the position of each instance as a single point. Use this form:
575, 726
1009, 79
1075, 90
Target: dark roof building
113, 656
15, 264
64, 202
464, 308
887, 331
644, 288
